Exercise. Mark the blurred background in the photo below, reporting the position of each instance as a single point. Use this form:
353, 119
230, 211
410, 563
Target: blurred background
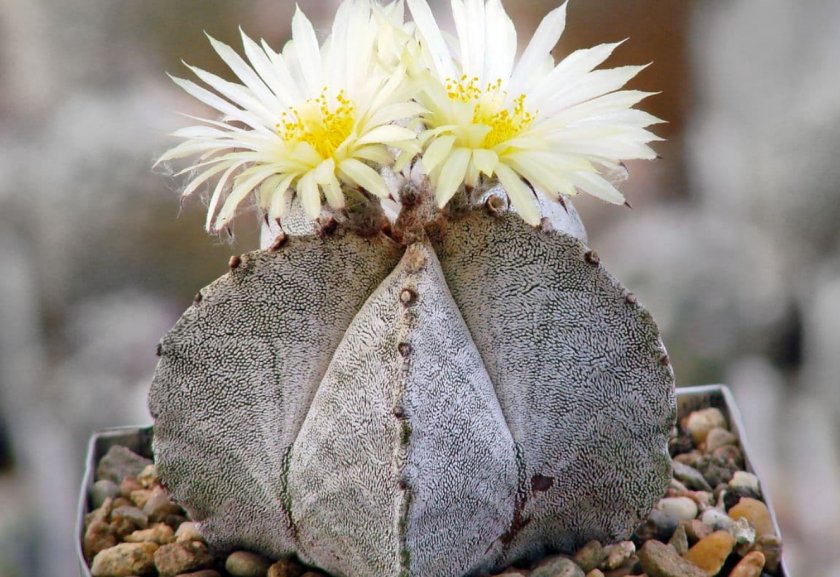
732, 242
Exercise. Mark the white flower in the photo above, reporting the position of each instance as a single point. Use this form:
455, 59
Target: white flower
558, 127
307, 120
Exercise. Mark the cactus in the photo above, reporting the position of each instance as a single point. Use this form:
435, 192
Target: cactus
440, 400
427, 373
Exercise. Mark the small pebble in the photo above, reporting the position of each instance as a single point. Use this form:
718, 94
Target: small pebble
680, 508
120, 462
771, 547
697, 530
710, 553
692, 458
743, 479
699, 423
159, 505
148, 476
590, 556
682, 443
98, 537
595, 573
159, 533
729, 457
125, 520
618, 554
124, 560
692, 478
246, 564
122, 502
756, 513
719, 437
285, 568
140, 497
717, 520
128, 485
658, 525
188, 531
749, 566
717, 472
743, 532
202, 573
557, 566
732, 495
679, 540
660, 560
177, 558
101, 490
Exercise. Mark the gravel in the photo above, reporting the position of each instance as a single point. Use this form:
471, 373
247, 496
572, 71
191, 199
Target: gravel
710, 522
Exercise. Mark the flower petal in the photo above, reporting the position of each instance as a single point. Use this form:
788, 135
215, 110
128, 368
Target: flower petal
451, 175
521, 196
364, 176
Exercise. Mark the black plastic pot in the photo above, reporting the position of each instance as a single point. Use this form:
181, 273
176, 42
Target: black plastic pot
139, 440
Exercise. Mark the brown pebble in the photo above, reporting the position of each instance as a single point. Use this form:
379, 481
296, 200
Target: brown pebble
771, 547
719, 437
679, 540
246, 564
697, 530
618, 554
750, 566
595, 573
710, 553
661, 560
159, 505
285, 568
122, 502
140, 497
756, 513
729, 456
590, 556
124, 560
202, 573
148, 476
98, 537
129, 485
159, 533
177, 558
188, 531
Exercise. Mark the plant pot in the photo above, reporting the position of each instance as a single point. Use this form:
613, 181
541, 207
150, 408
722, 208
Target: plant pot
139, 440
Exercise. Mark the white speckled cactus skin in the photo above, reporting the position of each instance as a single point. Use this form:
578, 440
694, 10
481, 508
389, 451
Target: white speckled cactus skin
480, 392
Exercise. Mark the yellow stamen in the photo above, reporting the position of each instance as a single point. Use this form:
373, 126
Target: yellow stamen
489, 110
323, 126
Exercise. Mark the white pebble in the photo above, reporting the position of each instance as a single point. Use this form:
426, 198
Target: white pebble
717, 520
745, 480
680, 508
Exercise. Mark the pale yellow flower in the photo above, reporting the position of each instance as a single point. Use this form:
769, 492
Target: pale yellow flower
308, 120
535, 125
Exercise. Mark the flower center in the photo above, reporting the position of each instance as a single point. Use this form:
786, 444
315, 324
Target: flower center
319, 122
504, 122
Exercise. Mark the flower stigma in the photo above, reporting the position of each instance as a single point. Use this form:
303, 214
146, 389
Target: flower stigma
319, 124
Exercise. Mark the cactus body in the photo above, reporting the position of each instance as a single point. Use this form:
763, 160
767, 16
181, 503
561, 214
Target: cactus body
480, 395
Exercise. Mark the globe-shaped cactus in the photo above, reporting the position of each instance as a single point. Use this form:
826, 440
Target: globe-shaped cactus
478, 394
396, 388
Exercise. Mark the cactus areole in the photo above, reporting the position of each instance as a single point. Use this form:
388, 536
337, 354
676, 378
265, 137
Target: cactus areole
436, 398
